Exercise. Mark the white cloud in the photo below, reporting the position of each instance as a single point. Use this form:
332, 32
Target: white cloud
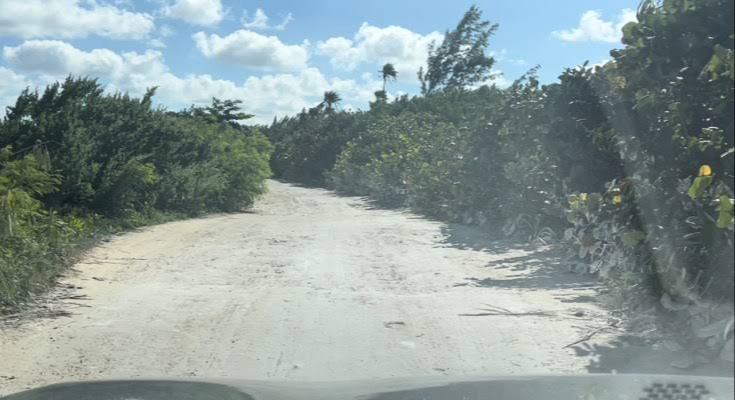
11, 86
166, 31
502, 57
163, 32
156, 44
341, 52
251, 49
287, 20
56, 58
497, 78
261, 21
592, 28
196, 12
265, 96
407, 50
70, 19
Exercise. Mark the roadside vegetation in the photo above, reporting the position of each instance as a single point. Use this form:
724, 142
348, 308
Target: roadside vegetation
627, 167
77, 164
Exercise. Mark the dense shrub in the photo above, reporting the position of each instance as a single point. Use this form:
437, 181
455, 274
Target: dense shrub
84, 160
116, 154
308, 144
395, 161
34, 239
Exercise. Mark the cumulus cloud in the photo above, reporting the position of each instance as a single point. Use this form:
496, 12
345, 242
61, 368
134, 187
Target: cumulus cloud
71, 19
251, 49
54, 57
407, 50
12, 85
261, 21
265, 96
159, 41
196, 12
593, 28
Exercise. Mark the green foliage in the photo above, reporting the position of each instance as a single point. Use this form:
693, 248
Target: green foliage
307, 145
700, 185
116, 155
33, 238
225, 111
394, 161
84, 154
725, 218
21, 182
388, 73
632, 161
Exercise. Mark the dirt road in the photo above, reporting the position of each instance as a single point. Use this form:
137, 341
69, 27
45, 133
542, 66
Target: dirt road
307, 286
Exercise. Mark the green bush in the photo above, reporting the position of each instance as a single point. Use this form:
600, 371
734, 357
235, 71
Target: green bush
307, 146
116, 155
34, 239
89, 163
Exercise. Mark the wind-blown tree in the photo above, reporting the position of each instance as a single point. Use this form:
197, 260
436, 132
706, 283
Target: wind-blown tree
331, 99
388, 73
460, 61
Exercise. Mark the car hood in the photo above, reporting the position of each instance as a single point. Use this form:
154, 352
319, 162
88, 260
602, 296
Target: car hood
587, 387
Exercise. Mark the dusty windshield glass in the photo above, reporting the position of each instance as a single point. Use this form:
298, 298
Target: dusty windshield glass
360, 191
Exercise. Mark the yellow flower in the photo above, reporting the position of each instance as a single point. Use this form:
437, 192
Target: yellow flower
583, 196
705, 170
617, 200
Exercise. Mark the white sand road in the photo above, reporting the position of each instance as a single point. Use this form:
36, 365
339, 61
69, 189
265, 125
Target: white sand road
308, 286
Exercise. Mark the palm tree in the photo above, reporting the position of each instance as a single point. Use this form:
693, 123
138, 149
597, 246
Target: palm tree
331, 98
389, 73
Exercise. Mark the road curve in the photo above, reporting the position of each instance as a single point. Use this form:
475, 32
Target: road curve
308, 286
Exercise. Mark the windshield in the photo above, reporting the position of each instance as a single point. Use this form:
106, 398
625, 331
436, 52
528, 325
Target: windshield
364, 190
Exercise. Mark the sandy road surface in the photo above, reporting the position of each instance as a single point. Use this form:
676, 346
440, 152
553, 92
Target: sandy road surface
308, 286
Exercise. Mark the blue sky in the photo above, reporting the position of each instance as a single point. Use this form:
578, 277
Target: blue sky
279, 56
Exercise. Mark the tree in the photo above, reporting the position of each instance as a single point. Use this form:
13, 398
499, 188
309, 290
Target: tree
460, 61
331, 98
388, 73
227, 111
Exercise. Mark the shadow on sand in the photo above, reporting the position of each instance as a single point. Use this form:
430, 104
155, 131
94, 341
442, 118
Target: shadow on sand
541, 268
533, 268
634, 355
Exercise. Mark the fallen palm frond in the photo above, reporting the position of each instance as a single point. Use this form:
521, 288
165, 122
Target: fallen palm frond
491, 311
587, 337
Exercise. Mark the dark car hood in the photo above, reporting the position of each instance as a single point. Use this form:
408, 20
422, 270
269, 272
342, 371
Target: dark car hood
588, 387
